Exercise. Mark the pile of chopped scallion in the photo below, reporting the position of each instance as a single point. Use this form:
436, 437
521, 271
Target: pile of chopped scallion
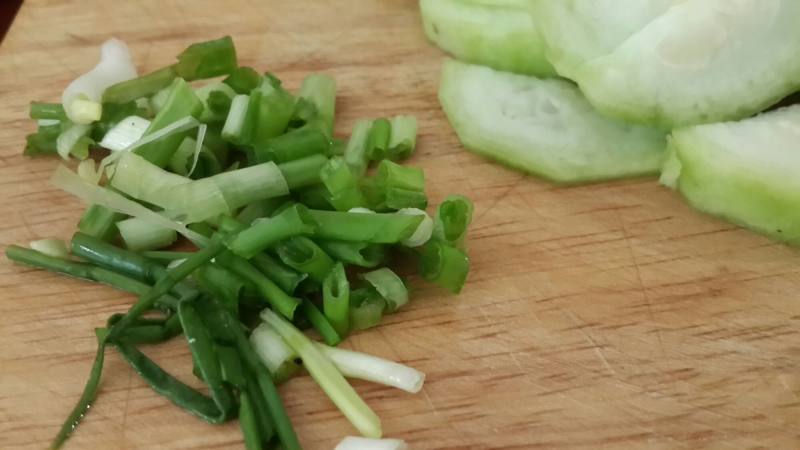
291, 230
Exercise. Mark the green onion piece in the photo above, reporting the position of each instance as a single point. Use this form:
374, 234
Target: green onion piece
231, 365
295, 144
362, 443
275, 109
424, 231
68, 181
360, 254
181, 160
234, 124
303, 255
100, 222
47, 111
207, 59
258, 209
366, 308
320, 90
378, 140
51, 247
269, 291
274, 352
204, 354
44, 141
222, 284
389, 286
360, 227
444, 265
85, 111
398, 187
139, 234
166, 255
284, 276
243, 80
355, 153
327, 376
159, 99
403, 140
87, 396
182, 102
316, 196
114, 113
292, 221
249, 423
336, 299
303, 172
377, 370
74, 141
143, 86
125, 133
216, 98
260, 407
342, 185
165, 284
452, 220
320, 323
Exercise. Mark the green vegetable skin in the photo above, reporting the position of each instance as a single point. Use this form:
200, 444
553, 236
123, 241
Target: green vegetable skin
743, 171
497, 33
700, 62
544, 127
577, 31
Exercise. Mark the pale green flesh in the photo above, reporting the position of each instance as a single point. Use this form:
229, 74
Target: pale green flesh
544, 127
745, 171
702, 61
495, 33
577, 31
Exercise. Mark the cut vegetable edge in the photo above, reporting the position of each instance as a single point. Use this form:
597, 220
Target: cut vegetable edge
499, 34
471, 97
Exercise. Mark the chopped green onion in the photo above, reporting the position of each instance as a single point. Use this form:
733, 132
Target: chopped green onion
366, 308
444, 265
423, 232
320, 323
271, 292
115, 65
316, 196
44, 141
403, 138
389, 286
361, 254
139, 234
47, 111
355, 154
327, 376
182, 102
274, 352
357, 227
86, 111
303, 172
303, 255
378, 140
453, 217
377, 370
51, 247
361, 443
397, 187
243, 80
100, 222
258, 209
207, 59
295, 144
68, 181
221, 283
320, 91
159, 99
336, 299
248, 423
284, 276
272, 115
166, 255
265, 232
234, 123
342, 185
126, 132
216, 98
139, 87
74, 141
86, 170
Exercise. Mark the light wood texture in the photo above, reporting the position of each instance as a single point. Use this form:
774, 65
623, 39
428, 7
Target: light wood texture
598, 317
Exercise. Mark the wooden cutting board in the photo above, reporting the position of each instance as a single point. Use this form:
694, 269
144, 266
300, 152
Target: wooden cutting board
595, 317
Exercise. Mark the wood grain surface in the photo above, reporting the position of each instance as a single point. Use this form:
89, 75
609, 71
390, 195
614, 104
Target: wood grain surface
596, 317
